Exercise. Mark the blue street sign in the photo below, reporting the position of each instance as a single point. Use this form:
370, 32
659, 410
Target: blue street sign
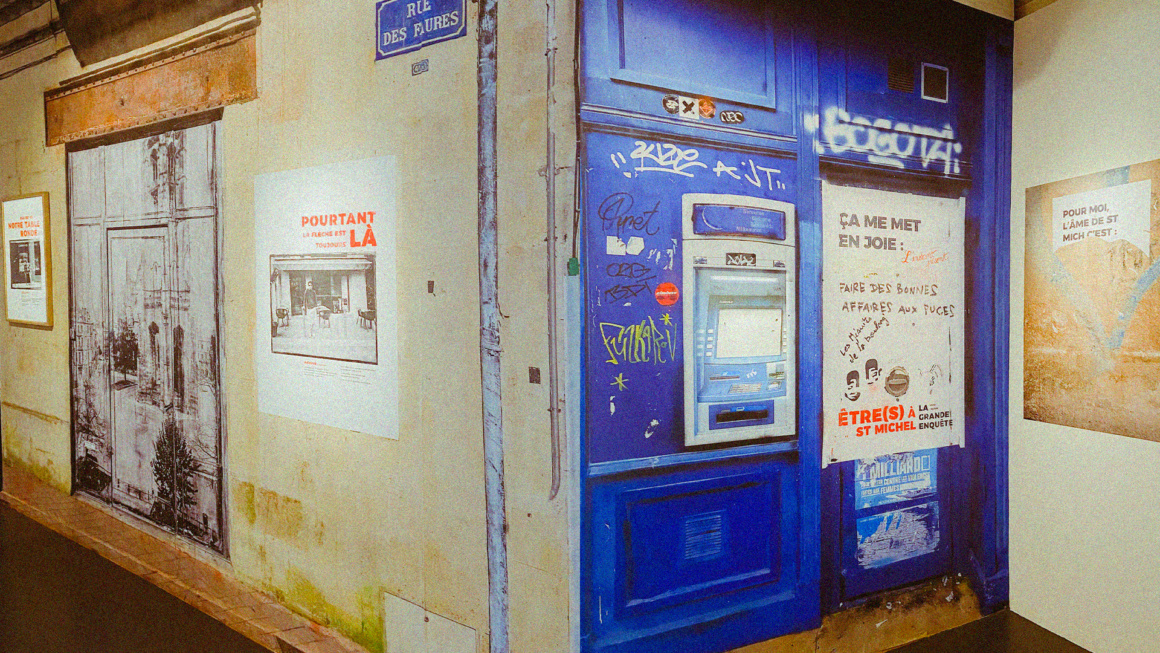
407, 25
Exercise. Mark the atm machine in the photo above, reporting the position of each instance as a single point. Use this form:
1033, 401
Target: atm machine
739, 267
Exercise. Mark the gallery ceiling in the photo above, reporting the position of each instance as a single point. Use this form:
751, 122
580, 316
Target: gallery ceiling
13, 9
101, 29
1025, 7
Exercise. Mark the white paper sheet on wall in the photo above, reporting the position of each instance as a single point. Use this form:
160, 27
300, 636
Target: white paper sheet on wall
326, 315
892, 321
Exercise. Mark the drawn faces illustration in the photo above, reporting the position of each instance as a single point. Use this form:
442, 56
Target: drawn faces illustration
873, 372
852, 392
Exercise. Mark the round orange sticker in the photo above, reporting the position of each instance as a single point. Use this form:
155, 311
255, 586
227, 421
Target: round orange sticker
667, 294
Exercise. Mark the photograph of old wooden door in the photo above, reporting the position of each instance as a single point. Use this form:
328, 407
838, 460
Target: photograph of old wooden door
145, 292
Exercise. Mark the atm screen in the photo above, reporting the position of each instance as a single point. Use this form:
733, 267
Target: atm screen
748, 332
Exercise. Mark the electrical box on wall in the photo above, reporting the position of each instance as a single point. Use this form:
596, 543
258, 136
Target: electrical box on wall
739, 278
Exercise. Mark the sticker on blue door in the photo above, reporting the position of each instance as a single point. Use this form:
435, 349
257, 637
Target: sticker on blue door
895, 478
897, 535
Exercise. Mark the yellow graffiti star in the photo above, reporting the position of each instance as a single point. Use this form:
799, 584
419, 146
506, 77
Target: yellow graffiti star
667, 319
619, 381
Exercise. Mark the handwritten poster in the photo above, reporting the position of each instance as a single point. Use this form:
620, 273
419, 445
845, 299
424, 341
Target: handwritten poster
27, 269
326, 337
1091, 302
892, 322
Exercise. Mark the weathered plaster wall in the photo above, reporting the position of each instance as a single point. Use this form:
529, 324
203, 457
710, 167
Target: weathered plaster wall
540, 564
326, 519
34, 362
1084, 515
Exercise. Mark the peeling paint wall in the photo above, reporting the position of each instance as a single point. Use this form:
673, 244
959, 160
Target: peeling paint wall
329, 520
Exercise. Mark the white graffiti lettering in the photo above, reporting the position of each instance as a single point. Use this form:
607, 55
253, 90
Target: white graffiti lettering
671, 159
890, 143
665, 157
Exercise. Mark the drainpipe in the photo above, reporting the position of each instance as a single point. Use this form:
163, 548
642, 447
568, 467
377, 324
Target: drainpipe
550, 171
489, 333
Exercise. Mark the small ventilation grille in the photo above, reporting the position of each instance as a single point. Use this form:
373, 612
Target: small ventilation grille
935, 83
704, 537
900, 75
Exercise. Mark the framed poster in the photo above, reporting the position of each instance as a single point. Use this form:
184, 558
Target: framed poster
1091, 318
27, 260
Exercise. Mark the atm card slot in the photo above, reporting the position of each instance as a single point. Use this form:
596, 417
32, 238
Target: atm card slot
725, 416
743, 416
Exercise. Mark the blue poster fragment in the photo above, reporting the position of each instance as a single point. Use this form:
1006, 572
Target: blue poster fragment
898, 535
407, 25
895, 478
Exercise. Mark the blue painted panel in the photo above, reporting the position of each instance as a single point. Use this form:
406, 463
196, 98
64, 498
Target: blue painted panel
862, 119
645, 57
844, 72
704, 557
983, 468
632, 239
690, 540
722, 48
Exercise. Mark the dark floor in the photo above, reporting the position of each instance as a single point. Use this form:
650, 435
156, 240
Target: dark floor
58, 597
1002, 632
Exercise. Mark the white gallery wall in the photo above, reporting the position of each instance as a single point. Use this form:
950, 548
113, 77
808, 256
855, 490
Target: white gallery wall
1085, 506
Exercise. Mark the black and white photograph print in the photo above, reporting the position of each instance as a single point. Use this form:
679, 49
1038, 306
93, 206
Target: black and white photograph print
27, 265
144, 322
323, 306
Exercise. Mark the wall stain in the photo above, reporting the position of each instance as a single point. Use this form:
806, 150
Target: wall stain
305, 478
279, 515
276, 514
244, 496
303, 597
51, 419
319, 532
884, 622
46, 473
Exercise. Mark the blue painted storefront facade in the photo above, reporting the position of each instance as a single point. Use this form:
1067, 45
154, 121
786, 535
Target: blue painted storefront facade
707, 548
